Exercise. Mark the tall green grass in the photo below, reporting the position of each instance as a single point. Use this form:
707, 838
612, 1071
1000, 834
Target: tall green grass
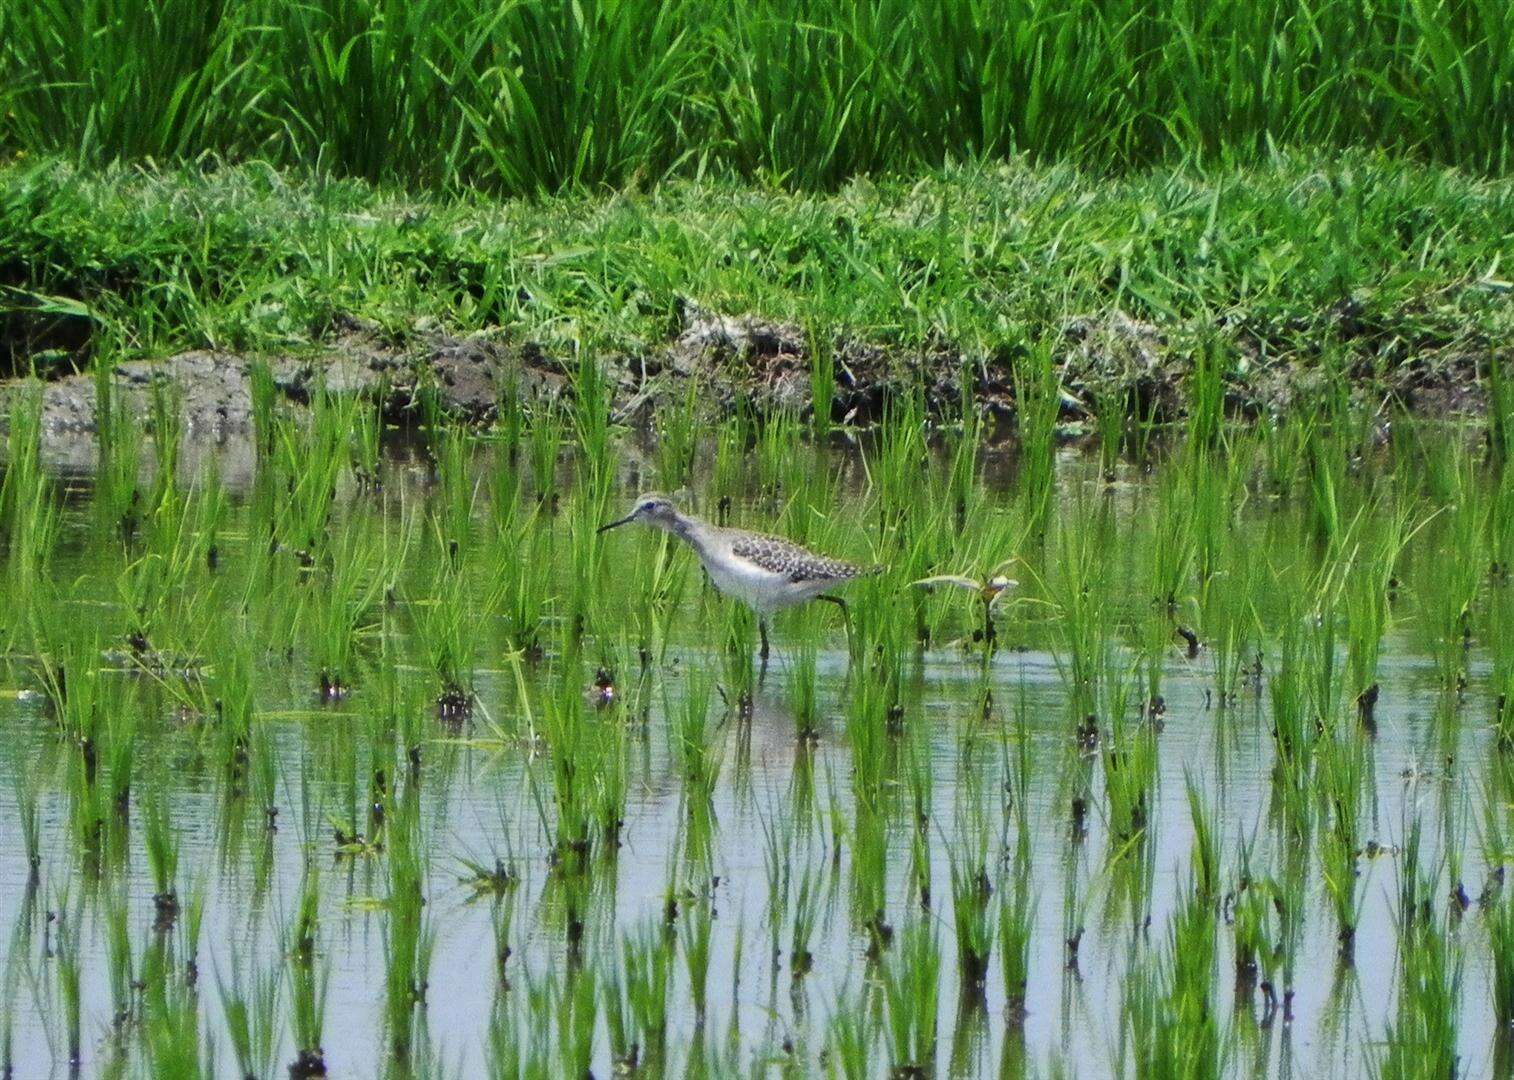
536, 95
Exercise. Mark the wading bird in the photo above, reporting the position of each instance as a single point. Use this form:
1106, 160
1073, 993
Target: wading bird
764, 572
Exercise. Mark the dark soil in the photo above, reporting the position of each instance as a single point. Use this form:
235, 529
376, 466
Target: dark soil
1107, 361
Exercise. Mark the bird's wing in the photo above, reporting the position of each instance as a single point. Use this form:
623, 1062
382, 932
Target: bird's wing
779, 556
949, 579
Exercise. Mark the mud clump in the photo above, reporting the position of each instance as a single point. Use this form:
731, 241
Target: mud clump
1108, 360
214, 389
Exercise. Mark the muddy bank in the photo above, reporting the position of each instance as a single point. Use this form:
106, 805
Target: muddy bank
1107, 361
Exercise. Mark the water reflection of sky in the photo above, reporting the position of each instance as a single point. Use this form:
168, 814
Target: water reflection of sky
478, 805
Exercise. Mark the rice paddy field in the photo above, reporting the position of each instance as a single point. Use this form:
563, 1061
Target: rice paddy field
1154, 361
379, 758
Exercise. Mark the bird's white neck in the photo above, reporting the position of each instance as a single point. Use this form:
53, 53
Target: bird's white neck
691, 530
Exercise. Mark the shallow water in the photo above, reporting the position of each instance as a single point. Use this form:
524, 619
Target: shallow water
482, 782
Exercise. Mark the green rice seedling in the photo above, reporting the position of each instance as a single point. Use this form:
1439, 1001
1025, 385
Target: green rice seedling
28, 784
93, 823
29, 519
1227, 620
120, 963
1257, 908
1168, 1005
677, 428
1016, 919
118, 731
778, 854
802, 692
545, 437
588, 777
263, 394
509, 417
822, 380
309, 976
1081, 611
851, 1036
972, 891
1500, 397
1341, 773
1501, 526
431, 415
367, 445
661, 579
250, 1010
444, 623
308, 986
1293, 721
782, 467
1285, 444
1110, 415
171, 1030
1365, 595
911, 991
1327, 483
1129, 755
1206, 394
1499, 918
869, 875
895, 469
588, 510
965, 492
1205, 860
1175, 545
696, 742
591, 408
637, 1002
10, 989
307, 463
695, 932
1500, 622
806, 898
409, 936
68, 959
162, 842
506, 1042
521, 548
118, 457
166, 420
571, 1014
344, 603
920, 786
229, 694
1016, 910
507, 489
304, 929
1422, 1038
454, 498
1038, 403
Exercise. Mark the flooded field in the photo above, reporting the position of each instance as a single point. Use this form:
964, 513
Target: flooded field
343, 752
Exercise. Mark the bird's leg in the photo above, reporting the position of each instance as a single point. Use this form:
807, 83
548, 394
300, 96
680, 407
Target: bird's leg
990, 633
846, 615
762, 630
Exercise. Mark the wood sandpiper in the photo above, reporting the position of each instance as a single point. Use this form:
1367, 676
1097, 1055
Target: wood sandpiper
764, 572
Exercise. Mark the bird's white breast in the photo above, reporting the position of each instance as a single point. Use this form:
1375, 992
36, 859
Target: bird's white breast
747, 582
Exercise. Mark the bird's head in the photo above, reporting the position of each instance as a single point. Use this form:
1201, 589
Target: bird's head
652, 509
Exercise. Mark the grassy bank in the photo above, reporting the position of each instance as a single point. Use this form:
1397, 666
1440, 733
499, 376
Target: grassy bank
1371, 268
538, 94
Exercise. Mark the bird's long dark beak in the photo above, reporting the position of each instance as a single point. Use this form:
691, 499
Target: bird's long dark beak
616, 524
